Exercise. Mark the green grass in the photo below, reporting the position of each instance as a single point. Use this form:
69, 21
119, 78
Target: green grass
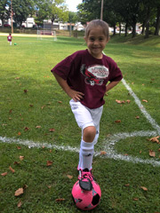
26, 67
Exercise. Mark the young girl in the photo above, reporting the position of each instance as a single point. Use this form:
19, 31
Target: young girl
9, 39
84, 76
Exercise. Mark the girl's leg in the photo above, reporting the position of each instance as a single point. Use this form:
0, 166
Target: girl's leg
88, 120
84, 121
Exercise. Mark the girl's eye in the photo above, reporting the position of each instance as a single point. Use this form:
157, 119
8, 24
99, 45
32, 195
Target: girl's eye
91, 39
100, 39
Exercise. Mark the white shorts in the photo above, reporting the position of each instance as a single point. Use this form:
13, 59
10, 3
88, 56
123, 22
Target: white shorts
86, 117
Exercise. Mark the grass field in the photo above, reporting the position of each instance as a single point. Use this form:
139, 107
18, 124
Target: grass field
38, 132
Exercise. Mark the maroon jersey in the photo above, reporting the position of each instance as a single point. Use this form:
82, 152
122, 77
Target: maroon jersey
9, 38
88, 75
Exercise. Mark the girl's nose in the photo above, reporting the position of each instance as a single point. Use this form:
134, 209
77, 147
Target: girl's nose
95, 42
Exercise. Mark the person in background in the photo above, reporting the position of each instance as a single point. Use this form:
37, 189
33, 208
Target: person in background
9, 39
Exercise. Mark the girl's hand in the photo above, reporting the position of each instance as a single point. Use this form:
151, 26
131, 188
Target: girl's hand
75, 95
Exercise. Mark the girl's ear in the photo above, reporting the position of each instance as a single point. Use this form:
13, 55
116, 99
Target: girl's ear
85, 39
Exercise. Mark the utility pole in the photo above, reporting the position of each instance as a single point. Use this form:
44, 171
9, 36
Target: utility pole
101, 10
11, 18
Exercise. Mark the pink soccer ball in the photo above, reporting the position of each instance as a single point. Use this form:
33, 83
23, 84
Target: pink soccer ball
86, 200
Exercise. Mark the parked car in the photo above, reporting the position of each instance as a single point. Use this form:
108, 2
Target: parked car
7, 25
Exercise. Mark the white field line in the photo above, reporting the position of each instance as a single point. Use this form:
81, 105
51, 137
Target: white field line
32, 144
142, 108
110, 142
109, 147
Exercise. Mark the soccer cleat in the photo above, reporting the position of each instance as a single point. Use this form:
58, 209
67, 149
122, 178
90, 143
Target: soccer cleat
85, 179
79, 168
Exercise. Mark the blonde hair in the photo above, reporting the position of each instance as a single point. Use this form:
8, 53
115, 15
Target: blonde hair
97, 23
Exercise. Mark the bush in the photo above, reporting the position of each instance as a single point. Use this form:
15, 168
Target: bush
151, 30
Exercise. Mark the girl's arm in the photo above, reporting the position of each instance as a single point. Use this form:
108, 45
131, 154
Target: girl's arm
111, 85
75, 95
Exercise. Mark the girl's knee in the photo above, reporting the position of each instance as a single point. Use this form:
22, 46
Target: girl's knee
89, 133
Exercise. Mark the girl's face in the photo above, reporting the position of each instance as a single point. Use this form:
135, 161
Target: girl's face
96, 42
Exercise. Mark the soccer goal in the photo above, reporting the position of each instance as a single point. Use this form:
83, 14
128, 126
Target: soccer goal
46, 35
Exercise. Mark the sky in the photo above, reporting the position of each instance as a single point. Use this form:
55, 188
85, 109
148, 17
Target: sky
72, 4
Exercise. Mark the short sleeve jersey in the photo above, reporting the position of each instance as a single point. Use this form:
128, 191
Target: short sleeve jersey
9, 38
88, 75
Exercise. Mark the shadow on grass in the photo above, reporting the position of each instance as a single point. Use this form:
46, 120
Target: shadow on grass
138, 40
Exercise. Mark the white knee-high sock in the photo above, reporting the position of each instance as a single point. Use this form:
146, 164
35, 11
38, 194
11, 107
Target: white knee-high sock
86, 155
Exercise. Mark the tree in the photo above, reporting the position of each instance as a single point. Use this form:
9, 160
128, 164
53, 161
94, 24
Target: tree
147, 15
73, 18
157, 21
4, 12
134, 16
59, 12
43, 10
129, 12
21, 10
83, 14
112, 13
48, 9
88, 10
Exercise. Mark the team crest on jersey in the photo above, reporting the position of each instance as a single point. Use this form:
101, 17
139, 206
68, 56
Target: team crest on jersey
95, 74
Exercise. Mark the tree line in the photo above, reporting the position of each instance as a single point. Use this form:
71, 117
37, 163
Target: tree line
129, 12
115, 12
39, 9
